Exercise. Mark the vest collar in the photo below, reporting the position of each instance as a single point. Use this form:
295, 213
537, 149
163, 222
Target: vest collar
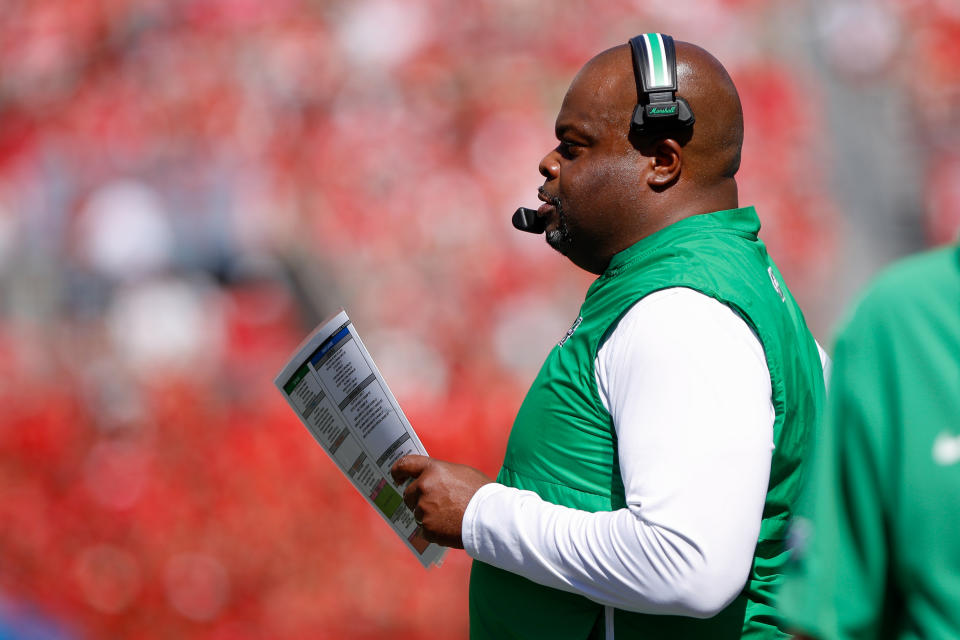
742, 221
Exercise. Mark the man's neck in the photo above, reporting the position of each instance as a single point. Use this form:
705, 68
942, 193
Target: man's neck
698, 199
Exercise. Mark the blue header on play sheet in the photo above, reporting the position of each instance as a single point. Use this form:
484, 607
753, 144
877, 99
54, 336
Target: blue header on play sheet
328, 344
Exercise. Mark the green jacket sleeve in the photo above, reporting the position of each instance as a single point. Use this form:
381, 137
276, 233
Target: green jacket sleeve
839, 587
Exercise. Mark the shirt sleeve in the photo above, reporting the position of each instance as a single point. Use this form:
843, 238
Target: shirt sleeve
686, 382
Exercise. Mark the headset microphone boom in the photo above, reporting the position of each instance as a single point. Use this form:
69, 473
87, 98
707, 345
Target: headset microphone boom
526, 219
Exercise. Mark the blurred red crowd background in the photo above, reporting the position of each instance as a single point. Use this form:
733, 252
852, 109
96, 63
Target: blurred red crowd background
187, 187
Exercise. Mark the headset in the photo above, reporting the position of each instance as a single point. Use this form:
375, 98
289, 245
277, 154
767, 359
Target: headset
655, 69
658, 106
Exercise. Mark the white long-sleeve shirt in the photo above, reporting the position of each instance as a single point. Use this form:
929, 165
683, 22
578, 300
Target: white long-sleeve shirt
686, 382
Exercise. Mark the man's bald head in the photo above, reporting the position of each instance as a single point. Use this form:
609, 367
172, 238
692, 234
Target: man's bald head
606, 187
712, 149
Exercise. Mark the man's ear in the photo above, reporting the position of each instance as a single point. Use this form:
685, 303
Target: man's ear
665, 160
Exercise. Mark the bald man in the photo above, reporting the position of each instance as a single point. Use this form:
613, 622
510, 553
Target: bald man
653, 466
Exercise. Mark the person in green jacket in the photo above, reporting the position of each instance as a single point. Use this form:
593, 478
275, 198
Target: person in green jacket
652, 468
878, 540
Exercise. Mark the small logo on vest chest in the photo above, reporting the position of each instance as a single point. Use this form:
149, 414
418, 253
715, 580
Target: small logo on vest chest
576, 323
776, 285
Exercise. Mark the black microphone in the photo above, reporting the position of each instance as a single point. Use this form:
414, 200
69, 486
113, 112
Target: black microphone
526, 219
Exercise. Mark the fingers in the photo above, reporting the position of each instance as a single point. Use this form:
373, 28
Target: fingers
437, 493
418, 516
409, 466
411, 495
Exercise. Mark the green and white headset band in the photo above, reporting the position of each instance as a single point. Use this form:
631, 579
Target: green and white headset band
654, 62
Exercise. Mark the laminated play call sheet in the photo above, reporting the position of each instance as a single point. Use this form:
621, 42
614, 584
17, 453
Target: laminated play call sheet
336, 390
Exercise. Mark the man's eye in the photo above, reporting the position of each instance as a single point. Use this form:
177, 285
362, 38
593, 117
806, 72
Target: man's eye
569, 148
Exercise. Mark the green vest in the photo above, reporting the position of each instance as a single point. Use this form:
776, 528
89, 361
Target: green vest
563, 445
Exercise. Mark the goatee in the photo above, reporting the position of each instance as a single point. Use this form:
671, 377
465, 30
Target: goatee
559, 238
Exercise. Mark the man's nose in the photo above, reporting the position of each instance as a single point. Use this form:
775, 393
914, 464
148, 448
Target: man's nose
550, 165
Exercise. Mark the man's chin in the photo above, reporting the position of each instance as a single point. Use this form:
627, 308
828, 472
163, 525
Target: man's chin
554, 238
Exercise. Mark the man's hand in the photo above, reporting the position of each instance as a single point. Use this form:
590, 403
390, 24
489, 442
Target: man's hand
438, 495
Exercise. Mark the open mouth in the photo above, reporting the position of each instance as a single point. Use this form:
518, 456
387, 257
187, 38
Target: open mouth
550, 203
545, 210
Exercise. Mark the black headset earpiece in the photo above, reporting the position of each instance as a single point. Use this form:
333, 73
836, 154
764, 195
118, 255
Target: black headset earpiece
655, 68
